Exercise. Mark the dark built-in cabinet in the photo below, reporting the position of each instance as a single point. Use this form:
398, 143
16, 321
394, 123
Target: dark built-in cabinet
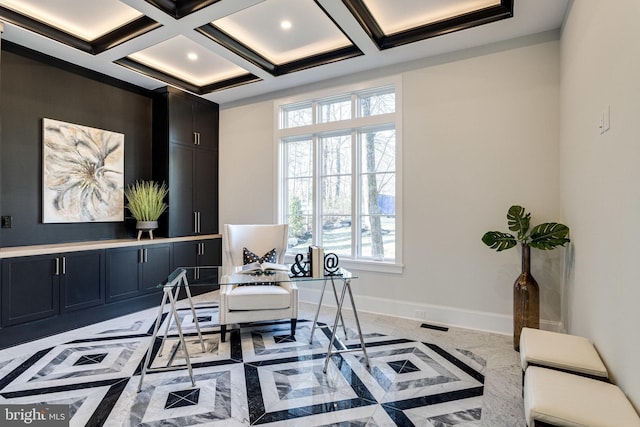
185, 156
45, 294
37, 287
171, 136
136, 270
199, 253
192, 120
192, 187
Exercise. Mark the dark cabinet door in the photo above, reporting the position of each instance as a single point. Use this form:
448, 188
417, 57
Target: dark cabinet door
181, 119
181, 186
185, 254
205, 119
82, 280
136, 270
206, 191
199, 253
211, 252
123, 274
30, 289
156, 266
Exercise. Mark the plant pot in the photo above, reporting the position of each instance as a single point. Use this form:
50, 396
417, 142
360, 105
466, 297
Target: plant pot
526, 299
147, 226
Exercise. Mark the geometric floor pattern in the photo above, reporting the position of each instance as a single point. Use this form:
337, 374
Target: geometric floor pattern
259, 376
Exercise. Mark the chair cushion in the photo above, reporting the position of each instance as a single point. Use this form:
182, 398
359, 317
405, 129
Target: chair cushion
569, 400
248, 257
259, 298
560, 351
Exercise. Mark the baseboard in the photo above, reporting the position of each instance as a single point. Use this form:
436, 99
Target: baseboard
552, 325
439, 315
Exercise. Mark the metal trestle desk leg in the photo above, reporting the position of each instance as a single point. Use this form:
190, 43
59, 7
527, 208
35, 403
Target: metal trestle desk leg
346, 287
315, 319
170, 294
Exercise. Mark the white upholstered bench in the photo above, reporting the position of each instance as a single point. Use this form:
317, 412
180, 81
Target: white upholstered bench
555, 398
563, 352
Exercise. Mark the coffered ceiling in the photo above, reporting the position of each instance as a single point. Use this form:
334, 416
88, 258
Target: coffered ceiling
229, 50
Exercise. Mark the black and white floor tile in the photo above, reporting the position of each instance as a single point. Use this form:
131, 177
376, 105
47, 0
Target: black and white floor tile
259, 376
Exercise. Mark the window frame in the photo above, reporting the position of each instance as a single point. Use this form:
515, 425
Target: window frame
355, 125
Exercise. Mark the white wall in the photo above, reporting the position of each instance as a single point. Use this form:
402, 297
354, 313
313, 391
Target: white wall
481, 133
601, 180
247, 165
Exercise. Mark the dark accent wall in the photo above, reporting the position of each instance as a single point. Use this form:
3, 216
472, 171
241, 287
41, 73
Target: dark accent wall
1, 136
34, 86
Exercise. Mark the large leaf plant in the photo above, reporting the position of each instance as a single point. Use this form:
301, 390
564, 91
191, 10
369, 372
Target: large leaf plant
544, 236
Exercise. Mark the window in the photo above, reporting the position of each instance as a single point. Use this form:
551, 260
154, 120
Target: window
339, 185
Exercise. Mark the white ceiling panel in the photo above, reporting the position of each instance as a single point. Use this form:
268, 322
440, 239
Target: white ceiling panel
85, 19
260, 27
188, 61
395, 16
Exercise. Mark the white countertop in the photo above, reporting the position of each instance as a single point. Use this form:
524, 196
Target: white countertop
17, 251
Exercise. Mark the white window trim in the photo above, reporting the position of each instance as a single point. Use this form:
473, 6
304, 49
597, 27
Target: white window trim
397, 266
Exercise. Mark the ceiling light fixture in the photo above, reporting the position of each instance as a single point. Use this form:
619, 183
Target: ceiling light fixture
192, 56
285, 25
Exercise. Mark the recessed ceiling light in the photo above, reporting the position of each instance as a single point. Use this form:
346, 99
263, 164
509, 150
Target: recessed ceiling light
192, 56
285, 25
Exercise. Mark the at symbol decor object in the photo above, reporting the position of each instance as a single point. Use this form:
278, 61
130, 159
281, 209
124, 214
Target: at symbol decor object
82, 173
526, 298
331, 264
146, 204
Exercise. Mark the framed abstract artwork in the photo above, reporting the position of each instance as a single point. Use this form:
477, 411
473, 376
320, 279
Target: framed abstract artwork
83, 173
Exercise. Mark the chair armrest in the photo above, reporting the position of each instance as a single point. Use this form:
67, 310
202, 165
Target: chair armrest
290, 286
226, 289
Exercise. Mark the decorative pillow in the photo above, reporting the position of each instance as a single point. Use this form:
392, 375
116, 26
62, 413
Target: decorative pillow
248, 257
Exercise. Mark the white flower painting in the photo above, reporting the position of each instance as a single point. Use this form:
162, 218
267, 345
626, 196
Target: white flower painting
83, 174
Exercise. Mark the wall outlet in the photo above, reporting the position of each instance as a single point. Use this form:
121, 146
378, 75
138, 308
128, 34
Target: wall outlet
6, 221
420, 314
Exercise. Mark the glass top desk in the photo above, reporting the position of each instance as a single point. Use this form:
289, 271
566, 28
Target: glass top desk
186, 277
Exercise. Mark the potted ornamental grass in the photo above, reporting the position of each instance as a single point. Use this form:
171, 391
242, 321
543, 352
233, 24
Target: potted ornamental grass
146, 204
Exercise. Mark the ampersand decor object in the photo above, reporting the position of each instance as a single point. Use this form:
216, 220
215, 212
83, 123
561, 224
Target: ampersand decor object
299, 268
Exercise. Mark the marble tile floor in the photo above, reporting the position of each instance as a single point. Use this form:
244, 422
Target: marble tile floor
419, 375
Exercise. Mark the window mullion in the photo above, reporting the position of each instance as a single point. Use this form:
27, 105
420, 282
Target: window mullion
317, 193
354, 107
356, 233
316, 180
355, 190
283, 185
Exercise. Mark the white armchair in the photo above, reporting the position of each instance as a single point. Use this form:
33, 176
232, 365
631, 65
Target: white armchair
240, 304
